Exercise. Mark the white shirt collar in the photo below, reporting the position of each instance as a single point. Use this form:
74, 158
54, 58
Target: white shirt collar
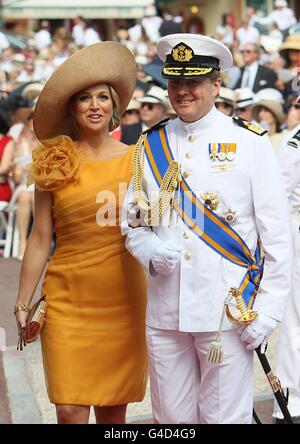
200, 125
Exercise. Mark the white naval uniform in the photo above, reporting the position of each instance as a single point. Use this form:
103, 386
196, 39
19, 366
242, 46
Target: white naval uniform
288, 366
191, 299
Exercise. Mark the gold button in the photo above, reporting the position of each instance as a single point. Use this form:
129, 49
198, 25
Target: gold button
192, 137
188, 256
186, 174
186, 235
188, 155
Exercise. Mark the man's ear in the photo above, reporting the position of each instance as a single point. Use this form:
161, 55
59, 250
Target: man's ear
216, 86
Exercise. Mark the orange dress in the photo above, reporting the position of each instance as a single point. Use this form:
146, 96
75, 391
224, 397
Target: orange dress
93, 340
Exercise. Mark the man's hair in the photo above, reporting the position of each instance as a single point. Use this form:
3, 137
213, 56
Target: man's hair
255, 46
214, 75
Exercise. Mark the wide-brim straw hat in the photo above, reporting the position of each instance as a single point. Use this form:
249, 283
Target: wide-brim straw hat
292, 42
102, 63
274, 107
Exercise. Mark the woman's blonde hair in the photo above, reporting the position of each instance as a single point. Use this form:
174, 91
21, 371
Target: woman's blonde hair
116, 118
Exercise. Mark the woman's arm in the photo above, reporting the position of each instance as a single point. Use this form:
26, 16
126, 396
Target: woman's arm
7, 158
37, 250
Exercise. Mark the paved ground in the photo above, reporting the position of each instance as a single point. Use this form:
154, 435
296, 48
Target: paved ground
21, 375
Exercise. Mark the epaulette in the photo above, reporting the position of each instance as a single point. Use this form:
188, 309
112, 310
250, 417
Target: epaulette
295, 140
249, 126
157, 126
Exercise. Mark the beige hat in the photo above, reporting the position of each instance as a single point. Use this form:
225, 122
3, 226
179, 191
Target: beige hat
155, 95
105, 62
275, 108
280, 4
225, 95
292, 42
243, 97
133, 104
32, 91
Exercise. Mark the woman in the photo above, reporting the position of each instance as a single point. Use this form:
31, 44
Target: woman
93, 342
269, 114
25, 143
6, 160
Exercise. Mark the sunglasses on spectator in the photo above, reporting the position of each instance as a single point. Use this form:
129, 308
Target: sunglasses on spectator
295, 105
225, 105
150, 106
130, 112
242, 110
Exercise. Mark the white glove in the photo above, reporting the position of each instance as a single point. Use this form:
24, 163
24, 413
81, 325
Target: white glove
166, 257
258, 332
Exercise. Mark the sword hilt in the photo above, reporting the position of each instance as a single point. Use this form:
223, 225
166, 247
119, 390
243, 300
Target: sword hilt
247, 316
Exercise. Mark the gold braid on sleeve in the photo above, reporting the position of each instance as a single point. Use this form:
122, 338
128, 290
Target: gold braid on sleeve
169, 184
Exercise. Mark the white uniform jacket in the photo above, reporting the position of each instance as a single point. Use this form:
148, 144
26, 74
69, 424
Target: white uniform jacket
289, 159
191, 298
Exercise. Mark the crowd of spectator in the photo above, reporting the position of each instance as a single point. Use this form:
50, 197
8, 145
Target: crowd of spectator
262, 86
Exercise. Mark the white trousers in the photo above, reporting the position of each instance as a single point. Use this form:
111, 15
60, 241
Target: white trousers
288, 360
187, 389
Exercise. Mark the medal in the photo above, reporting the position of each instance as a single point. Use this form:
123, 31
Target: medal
230, 156
222, 151
210, 200
230, 151
229, 216
213, 151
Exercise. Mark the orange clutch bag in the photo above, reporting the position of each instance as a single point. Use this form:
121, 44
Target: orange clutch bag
34, 323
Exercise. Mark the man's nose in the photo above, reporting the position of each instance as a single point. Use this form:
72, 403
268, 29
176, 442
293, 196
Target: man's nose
182, 87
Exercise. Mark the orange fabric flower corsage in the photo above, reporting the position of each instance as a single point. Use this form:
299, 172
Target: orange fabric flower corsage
55, 164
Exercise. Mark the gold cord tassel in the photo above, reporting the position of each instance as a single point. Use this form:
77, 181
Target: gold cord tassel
215, 354
167, 188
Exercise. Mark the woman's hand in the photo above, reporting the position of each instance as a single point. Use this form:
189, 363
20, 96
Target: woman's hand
21, 317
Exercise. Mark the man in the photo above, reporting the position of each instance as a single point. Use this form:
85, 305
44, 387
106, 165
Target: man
201, 183
225, 101
254, 75
288, 363
283, 16
244, 99
131, 126
247, 34
153, 106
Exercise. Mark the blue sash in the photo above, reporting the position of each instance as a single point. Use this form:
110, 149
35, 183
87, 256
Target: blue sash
204, 223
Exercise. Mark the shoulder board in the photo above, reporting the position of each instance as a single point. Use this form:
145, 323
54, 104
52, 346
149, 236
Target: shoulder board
249, 126
295, 140
157, 126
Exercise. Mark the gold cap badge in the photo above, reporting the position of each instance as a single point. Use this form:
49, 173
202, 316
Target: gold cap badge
182, 53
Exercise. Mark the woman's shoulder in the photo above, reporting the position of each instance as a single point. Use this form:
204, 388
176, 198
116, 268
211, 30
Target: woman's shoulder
55, 163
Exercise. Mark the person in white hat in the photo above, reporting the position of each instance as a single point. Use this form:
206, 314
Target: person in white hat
206, 187
288, 357
153, 106
270, 115
225, 101
244, 99
283, 16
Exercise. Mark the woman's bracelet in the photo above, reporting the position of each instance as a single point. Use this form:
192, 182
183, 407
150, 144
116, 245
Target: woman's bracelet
21, 307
